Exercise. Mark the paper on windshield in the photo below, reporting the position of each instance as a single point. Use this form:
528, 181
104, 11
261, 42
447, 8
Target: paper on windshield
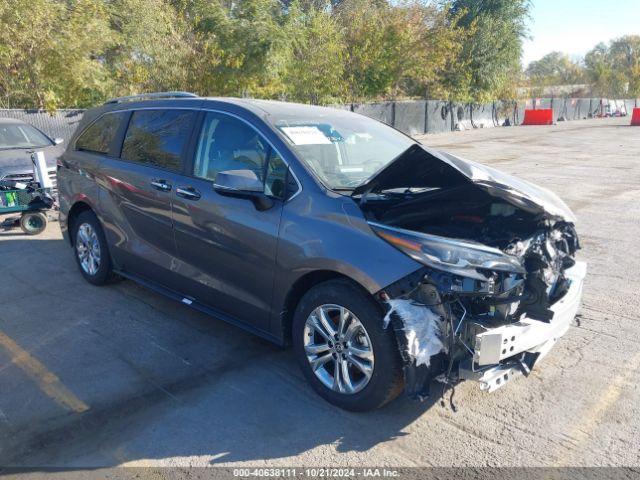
306, 135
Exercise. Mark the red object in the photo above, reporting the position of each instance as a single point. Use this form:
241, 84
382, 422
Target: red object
635, 119
544, 116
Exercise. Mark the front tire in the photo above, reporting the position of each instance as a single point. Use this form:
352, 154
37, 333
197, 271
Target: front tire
349, 359
91, 251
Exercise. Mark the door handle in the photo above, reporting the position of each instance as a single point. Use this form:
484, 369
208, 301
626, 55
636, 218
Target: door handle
161, 185
189, 193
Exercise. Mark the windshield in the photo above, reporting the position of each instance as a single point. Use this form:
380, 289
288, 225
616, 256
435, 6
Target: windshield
21, 136
342, 148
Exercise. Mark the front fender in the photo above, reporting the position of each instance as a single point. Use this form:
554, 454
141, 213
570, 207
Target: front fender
330, 233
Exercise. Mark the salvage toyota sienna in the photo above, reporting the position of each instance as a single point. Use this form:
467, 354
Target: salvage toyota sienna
385, 264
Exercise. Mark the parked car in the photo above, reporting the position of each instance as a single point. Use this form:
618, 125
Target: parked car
383, 262
17, 140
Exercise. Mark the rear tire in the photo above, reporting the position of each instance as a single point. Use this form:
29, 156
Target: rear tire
91, 250
369, 345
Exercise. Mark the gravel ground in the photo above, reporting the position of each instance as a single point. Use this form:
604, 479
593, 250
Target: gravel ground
121, 376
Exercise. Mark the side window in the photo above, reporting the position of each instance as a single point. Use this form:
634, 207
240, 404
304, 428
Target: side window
227, 143
100, 135
157, 137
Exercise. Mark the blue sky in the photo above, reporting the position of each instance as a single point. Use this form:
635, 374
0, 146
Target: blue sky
575, 26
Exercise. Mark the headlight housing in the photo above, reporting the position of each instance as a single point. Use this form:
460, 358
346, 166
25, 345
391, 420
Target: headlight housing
462, 257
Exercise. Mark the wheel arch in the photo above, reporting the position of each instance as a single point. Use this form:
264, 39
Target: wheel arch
301, 286
74, 212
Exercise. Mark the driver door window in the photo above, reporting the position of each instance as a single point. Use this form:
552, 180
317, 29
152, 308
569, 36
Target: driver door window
227, 143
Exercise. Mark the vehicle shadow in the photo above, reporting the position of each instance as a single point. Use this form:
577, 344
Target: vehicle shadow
162, 382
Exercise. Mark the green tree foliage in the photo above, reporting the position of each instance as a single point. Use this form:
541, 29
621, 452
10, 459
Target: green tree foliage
610, 70
77, 53
492, 51
408, 48
614, 69
553, 69
151, 47
373, 47
249, 39
50, 52
625, 52
442, 68
314, 67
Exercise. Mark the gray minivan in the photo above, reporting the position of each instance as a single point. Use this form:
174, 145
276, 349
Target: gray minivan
384, 263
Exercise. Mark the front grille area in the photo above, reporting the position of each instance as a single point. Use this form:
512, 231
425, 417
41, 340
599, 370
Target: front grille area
54, 181
28, 177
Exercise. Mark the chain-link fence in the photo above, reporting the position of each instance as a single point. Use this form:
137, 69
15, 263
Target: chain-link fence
61, 124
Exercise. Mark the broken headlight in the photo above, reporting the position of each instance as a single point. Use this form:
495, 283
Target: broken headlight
458, 256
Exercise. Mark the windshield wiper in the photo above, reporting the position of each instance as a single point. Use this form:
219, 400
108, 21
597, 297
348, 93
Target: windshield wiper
408, 190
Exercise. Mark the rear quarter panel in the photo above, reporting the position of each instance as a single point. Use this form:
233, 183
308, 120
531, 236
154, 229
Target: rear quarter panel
77, 182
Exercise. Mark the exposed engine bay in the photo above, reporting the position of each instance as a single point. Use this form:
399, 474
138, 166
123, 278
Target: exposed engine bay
499, 260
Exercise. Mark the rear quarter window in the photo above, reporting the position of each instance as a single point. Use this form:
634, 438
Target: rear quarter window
99, 136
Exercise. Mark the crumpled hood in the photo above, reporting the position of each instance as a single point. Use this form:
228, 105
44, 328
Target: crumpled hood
416, 167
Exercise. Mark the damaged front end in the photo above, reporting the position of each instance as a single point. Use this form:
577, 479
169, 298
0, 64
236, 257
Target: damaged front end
499, 283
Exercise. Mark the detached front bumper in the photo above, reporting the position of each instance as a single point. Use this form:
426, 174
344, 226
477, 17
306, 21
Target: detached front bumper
502, 353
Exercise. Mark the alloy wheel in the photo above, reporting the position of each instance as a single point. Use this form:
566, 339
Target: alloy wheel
338, 349
88, 249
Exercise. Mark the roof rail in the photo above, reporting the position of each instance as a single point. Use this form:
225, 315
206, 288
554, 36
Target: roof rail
151, 96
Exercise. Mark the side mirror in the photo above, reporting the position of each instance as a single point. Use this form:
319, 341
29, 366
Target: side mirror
58, 141
243, 184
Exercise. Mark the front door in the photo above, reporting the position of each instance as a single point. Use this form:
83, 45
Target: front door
227, 247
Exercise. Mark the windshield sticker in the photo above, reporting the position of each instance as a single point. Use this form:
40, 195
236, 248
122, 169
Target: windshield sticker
306, 135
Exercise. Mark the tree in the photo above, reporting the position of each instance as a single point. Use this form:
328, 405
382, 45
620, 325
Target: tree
491, 52
314, 70
388, 47
624, 53
78, 74
50, 53
368, 52
426, 47
614, 69
439, 71
248, 42
554, 68
151, 49
598, 69
78, 52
